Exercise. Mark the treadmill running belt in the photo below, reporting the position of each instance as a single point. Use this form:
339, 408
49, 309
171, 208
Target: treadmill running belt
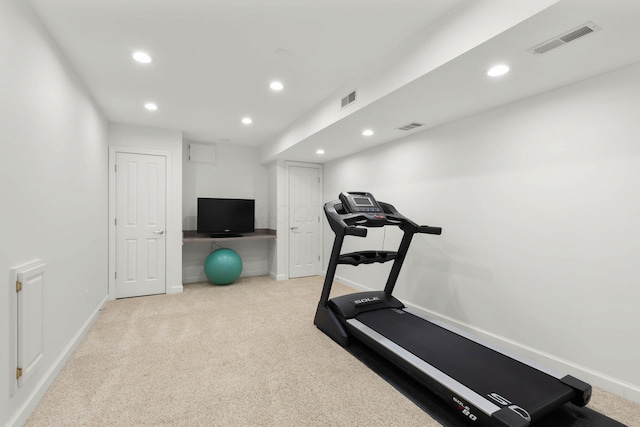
481, 369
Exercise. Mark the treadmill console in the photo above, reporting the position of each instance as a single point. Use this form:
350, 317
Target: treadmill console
362, 203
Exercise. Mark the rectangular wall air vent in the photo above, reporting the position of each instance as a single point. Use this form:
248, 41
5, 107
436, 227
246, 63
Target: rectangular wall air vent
349, 99
411, 125
564, 38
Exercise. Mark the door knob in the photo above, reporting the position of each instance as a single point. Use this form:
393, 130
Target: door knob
158, 232
294, 228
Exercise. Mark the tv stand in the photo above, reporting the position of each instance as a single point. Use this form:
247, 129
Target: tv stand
190, 236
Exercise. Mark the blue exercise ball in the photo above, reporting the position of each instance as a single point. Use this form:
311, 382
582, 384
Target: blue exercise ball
223, 266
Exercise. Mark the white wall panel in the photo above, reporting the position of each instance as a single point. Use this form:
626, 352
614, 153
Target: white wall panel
202, 153
31, 330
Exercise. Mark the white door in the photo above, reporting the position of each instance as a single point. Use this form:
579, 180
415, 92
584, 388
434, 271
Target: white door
304, 221
140, 224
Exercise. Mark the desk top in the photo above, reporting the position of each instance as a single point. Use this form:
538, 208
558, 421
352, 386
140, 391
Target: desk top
190, 236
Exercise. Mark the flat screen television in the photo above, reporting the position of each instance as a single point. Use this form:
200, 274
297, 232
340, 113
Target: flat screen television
225, 217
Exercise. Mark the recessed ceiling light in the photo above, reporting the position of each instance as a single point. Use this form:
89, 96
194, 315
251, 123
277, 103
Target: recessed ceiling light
150, 106
142, 57
276, 86
367, 132
320, 151
247, 120
498, 70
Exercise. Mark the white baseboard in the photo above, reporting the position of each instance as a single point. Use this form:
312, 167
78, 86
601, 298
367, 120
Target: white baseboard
593, 377
192, 279
23, 412
198, 279
175, 289
590, 376
352, 284
278, 277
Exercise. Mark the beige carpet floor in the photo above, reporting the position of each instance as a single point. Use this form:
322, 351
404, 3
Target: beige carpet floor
247, 354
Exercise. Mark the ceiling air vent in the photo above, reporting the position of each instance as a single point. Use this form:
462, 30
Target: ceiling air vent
565, 38
349, 99
411, 125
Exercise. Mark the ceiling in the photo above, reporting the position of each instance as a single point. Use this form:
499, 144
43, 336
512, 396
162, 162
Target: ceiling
213, 62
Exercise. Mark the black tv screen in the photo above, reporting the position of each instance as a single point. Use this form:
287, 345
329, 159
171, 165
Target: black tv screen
225, 216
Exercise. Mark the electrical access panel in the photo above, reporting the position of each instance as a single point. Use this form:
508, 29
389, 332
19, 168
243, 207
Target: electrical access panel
363, 203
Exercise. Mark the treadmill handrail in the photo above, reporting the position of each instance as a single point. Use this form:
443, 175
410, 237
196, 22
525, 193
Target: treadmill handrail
351, 224
429, 230
339, 223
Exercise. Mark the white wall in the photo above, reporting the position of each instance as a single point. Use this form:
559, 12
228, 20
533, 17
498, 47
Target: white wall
238, 174
53, 183
169, 143
539, 206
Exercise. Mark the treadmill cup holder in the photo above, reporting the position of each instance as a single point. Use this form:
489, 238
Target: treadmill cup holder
367, 257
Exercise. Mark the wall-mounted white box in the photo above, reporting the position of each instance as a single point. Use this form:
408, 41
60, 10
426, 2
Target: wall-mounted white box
201, 153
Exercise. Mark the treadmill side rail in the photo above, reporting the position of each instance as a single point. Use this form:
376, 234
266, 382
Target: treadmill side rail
456, 393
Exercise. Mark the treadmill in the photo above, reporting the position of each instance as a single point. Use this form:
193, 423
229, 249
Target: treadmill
484, 385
